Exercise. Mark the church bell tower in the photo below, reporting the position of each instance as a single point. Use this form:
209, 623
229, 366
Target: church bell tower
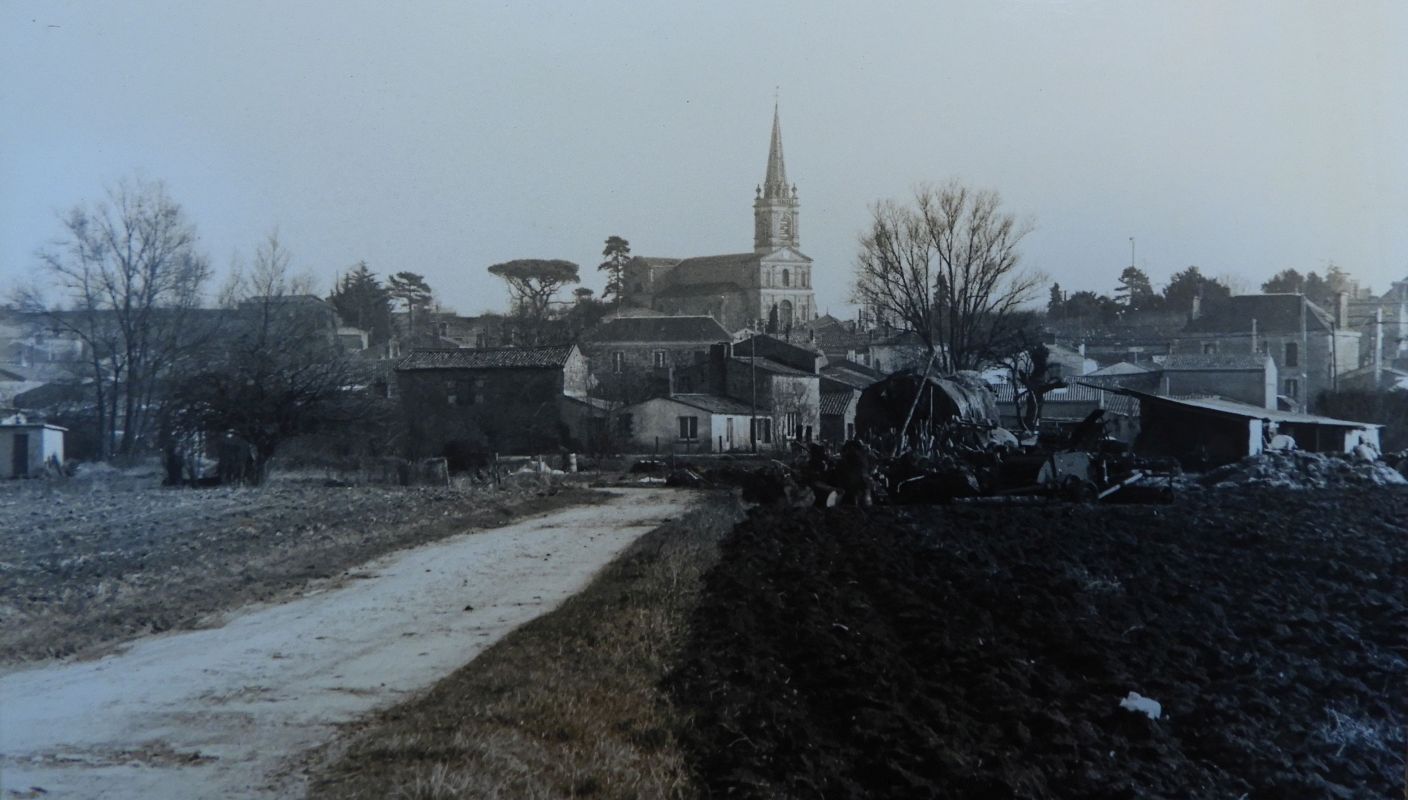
775, 209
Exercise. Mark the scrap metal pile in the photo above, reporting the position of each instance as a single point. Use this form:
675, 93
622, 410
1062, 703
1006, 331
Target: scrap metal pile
953, 449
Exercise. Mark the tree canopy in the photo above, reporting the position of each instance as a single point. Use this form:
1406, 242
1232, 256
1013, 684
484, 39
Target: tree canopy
362, 301
617, 253
1191, 283
947, 266
533, 282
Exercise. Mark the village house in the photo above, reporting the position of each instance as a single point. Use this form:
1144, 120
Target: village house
1310, 346
686, 423
632, 358
842, 383
1383, 324
504, 400
1245, 377
787, 399
883, 348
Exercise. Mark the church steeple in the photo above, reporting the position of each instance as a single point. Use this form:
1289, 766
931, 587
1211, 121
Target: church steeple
775, 182
775, 209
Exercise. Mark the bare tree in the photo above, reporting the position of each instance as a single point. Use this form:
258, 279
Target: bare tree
947, 267
280, 373
129, 279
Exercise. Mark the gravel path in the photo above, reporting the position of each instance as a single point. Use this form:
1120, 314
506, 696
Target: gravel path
226, 712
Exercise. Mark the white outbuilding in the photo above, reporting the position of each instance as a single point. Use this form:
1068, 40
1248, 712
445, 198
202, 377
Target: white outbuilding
26, 447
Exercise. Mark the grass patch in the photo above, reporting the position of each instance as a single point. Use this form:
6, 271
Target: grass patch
569, 705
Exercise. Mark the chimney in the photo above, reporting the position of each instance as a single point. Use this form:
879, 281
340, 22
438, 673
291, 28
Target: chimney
1342, 310
669, 381
1197, 307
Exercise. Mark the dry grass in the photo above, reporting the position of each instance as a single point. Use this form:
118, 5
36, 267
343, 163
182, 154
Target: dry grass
570, 705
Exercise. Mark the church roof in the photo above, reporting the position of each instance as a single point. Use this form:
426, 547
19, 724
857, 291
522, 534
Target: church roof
715, 262
659, 329
698, 289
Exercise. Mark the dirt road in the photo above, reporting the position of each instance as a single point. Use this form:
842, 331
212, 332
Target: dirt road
225, 712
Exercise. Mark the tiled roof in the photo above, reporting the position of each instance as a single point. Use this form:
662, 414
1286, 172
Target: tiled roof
489, 358
1274, 314
1215, 361
659, 329
713, 403
836, 403
768, 365
850, 373
1119, 368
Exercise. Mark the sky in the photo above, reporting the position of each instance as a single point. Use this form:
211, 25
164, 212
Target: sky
1241, 137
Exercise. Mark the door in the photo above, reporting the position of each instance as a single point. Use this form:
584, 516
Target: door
20, 453
728, 432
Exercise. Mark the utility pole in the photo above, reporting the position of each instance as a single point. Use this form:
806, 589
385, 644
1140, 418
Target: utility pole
1131, 251
753, 379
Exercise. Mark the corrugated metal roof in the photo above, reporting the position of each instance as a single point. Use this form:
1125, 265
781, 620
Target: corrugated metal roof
553, 357
659, 329
837, 403
1234, 408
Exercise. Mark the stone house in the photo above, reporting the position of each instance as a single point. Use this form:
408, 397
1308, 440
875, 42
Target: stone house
504, 400
632, 358
1311, 347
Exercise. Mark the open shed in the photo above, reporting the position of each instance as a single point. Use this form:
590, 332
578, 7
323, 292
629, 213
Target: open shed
1211, 431
25, 447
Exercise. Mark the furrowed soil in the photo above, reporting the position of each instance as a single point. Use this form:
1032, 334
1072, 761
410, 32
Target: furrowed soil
976, 651
85, 564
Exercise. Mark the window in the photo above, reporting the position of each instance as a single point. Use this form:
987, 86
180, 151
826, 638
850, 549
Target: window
850, 430
464, 391
658, 358
1292, 358
1209, 348
480, 341
762, 430
786, 278
1292, 388
444, 330
618, 361
794, 425
689, 429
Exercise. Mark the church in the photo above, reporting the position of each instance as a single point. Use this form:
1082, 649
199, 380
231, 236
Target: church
769, 289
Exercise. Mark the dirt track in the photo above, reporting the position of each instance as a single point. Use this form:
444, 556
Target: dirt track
88, 563
983, 652
219, 713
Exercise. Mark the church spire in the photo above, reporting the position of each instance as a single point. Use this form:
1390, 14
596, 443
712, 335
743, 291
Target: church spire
775, 181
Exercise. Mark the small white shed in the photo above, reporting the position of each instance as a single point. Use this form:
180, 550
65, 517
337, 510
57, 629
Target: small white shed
25, 447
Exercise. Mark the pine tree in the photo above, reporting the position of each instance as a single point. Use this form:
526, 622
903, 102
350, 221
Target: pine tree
363, 302
618, 253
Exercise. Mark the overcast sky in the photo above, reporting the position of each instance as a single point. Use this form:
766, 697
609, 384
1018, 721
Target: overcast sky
1240, 137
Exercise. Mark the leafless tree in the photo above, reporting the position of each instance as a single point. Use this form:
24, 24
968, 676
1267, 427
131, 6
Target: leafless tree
279, 373
947, 267
128, 279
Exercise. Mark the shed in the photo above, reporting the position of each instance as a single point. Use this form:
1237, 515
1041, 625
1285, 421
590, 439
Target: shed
25, 447
1210, 431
